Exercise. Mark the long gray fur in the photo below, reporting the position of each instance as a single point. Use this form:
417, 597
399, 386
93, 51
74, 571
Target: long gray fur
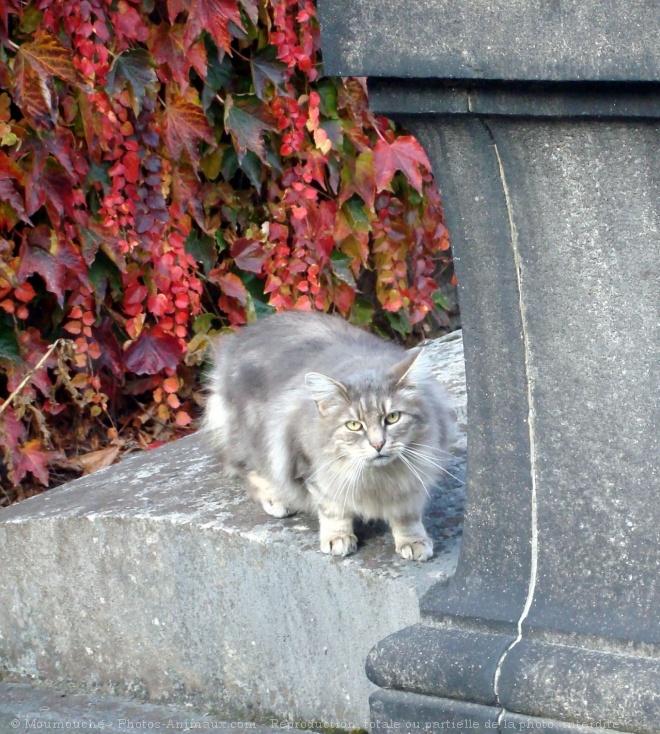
283, 392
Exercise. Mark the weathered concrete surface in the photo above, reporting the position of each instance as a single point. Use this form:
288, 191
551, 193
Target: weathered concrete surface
25, 707
160, 580
556, 244
533, 40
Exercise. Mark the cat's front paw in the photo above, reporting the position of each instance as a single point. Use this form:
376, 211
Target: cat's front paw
415, 549
276, 509
339, 545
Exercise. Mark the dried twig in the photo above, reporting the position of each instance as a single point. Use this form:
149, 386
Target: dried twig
27, 377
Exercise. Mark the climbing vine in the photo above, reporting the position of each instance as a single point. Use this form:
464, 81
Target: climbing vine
169, 170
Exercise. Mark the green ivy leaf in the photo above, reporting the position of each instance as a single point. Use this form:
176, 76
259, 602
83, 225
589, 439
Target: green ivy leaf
229, 163
362, 312
134, 69
203, 249
327, 90
211, 163
30, 19
220, 241
252, 168
399, 322
440, 301
257, 301
246, 120
8, 342
356, 215
341, 267
219, 75
202, 324
104, 273
265, 68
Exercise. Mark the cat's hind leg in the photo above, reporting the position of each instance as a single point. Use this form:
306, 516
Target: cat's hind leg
269, 497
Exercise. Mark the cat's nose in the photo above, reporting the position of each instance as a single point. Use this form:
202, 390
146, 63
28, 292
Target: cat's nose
378, 445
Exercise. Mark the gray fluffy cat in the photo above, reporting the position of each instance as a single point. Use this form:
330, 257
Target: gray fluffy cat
323, 417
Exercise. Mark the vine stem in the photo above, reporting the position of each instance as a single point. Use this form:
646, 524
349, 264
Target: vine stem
27, 377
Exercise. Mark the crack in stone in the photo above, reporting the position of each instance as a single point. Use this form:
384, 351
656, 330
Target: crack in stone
531, 416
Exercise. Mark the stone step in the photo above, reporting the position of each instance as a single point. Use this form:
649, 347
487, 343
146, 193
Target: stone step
157, 579
26, 707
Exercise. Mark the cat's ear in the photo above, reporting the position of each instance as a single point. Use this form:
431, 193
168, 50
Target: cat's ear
413, 368
325, 391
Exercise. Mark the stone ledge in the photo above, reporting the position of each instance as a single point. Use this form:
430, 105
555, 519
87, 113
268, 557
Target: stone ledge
25, 707
158, 579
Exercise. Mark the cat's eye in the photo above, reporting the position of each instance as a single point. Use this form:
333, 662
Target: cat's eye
392, 417
353, 425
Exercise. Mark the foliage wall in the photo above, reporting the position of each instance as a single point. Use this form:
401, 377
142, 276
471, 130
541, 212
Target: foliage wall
167, 170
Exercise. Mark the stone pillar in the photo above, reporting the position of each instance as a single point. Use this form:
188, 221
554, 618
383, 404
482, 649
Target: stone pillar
542, 121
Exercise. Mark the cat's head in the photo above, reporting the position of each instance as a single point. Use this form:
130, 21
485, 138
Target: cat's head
379, 416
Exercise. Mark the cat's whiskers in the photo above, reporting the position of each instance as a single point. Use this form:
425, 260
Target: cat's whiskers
323, 466
345, 474
426, 459
335, 473
357, 483
310, 436
432, 448
415, 471
353, 477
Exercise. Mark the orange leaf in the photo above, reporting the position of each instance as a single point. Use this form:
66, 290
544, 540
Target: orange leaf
365, 177
49, 57
184, 125
95, 460
182, 418
171, 384
25, 292
35, 66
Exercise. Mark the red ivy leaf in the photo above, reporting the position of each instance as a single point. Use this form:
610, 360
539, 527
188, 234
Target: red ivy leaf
129, 24
184, 125
111, 355
131, 161
153, 351
8, 190
53, 188
62, 145
213, 16
231, 285
32, 457
53, 259
134, 297
36, 258
168, 47
34, 68
174, 7
404, 154
248, 255
186, 191
13, 431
